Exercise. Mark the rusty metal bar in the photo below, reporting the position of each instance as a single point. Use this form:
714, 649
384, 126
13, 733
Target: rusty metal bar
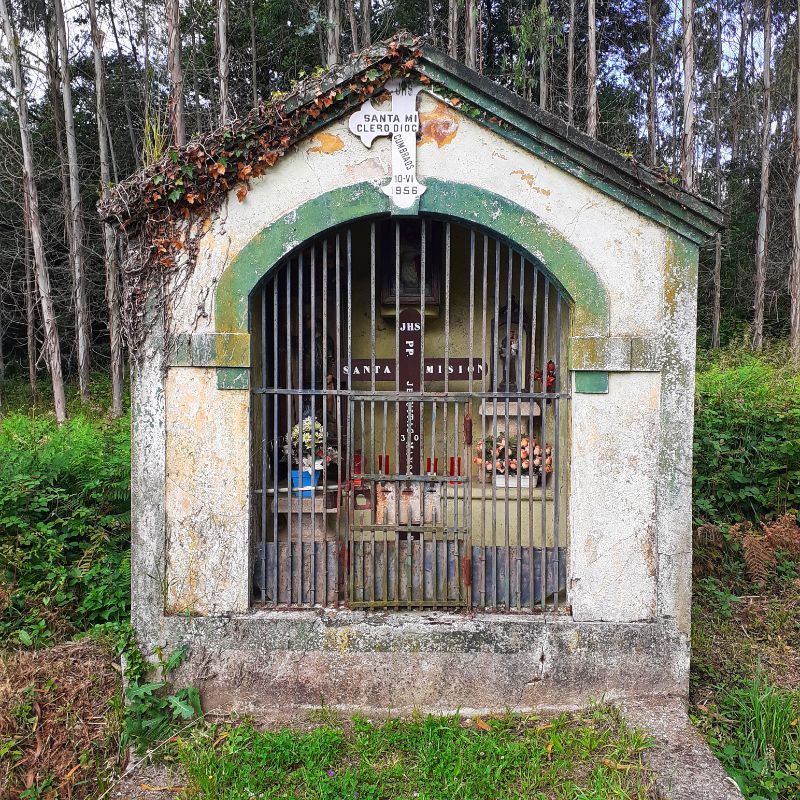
264, 459
556, 449
407, 547
531, 492
482, 467
325, 400
289, 401
340, 550
495, 355
275, 443
543, 443
521, 393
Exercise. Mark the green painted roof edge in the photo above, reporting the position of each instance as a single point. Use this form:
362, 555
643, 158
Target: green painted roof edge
544, 134
587, 159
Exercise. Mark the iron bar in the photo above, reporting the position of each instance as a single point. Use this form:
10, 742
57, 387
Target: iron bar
404, 539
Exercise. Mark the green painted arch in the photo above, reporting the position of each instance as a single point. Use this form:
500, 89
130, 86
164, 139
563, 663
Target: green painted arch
459, 201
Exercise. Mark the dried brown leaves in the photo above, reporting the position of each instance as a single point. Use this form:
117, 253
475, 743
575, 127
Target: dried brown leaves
54, 707
158, 209
761, 546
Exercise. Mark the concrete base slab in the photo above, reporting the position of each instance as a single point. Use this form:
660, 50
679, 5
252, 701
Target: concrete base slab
269, 664
686, 768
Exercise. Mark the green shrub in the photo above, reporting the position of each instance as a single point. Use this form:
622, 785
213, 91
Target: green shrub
756, 737
64, 525
153, 713
747, 440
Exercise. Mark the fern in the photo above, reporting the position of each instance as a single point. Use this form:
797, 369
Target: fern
761, 546
64, 525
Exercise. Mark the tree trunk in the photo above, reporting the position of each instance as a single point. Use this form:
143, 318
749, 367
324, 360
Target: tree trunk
54, 88
333, 33
591, 74
652, 97
471, 34
2, 363
544, 17
487, 58
125, 101
253, 55
80, 299
223, 60
687, 140
109, 238
571, 65
431, 23
52, 344
741, 66
198, 116
763, 197
176, 103
452, 28
794, 272
351, 13
716, 309
366, 23
30, 307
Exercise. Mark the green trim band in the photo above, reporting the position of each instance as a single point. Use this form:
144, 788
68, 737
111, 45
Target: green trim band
504, 218
591, 382
233, 378
210, 350
616, 353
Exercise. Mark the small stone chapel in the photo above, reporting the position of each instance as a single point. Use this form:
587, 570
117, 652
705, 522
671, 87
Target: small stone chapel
412, 401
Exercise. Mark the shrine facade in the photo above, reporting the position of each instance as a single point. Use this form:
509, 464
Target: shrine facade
415, 428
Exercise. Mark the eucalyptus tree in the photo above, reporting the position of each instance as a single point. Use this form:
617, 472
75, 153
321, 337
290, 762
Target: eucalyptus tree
591, 71
763, 197
33, 217
75, 230
794, 272
176, 113
109, 237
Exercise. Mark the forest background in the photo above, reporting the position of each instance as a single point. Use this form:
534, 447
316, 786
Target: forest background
705, 91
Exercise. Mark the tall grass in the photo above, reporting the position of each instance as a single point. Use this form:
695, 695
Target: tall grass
64, 525
757, 739
747, 436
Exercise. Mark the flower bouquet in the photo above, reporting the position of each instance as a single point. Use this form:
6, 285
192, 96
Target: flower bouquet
305, 445
516, 461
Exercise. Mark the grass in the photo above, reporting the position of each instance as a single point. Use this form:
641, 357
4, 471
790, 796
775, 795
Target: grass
432, 758
745, 673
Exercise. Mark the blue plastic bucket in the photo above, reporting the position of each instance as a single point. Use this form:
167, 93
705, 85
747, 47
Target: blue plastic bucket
302, 481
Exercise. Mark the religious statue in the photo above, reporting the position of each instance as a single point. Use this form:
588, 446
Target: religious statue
508, 356
323, 360
402, 257
511, 351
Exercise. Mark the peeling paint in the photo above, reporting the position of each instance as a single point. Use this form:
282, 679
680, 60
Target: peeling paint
328, 143
530, 180
439, 126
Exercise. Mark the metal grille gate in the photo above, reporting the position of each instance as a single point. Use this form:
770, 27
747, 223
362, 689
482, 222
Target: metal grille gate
413, 371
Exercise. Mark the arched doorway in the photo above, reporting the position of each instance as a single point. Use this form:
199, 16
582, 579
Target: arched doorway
409, 422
